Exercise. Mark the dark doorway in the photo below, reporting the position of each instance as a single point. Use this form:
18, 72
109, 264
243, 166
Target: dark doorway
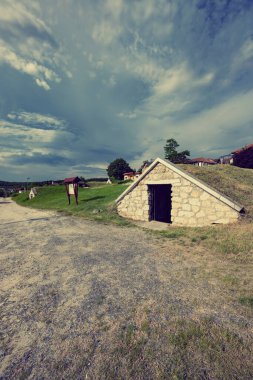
160, 203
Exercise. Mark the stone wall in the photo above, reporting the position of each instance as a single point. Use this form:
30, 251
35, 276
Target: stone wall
191, 205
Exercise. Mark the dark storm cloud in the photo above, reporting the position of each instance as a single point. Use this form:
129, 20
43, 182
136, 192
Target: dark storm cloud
18, 23
36, 120
13, 32
117, 78
41, 159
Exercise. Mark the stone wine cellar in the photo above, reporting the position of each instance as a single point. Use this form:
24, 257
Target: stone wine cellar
166, 193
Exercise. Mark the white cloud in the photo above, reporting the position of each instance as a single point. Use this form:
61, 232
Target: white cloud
142, 10
32, 118
92, 74
114, 7
42, 83
171, 80
28, 45
32, 68
99, 64
247, 49
14, 12
69, 74
110, 82
244, 54
154, 18
127, 115
202, 132
26, 133
224, 117
180, 78
105, 32
97, 165
170, 90
138, 63
18, 139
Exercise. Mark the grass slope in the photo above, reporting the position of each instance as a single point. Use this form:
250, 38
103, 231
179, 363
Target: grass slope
236, 183
90, 200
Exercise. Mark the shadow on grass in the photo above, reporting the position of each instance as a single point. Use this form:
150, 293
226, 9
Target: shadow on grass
92, 199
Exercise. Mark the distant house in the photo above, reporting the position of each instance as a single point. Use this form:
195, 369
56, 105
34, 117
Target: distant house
131, 176
201, 161
226, 159
243, 157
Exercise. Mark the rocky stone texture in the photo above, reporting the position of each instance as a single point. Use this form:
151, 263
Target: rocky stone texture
191, 205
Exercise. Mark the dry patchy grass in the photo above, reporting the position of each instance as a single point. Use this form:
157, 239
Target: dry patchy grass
236, 183
91, 301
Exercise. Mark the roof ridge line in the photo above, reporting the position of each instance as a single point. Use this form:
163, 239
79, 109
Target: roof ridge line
203, 185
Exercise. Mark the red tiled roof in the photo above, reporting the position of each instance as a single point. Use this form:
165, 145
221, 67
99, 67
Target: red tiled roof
71, 180
203, 159
242, 149
130, 173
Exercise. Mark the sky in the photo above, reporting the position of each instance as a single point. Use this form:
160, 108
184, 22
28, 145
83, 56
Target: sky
83, 82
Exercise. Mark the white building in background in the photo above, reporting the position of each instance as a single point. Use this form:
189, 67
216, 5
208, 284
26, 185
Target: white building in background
33, 193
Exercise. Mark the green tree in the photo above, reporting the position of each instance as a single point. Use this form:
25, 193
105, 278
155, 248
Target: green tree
172, 154
145, 164
117, 168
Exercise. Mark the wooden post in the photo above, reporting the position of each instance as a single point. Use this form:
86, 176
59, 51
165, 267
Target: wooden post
67, 192
71, 186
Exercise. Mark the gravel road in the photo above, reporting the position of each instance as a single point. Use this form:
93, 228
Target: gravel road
63, 278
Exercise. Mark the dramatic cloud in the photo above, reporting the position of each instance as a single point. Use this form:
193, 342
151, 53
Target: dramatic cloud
37, 120
85, 82
32, 141
27, 43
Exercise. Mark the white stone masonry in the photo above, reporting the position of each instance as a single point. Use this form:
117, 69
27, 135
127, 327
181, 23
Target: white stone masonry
191, 204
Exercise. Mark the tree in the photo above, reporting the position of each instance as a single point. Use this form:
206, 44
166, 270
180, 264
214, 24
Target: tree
244, 158
117, 168
172, 154
145, 164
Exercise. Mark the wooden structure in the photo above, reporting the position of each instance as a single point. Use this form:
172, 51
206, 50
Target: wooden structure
71, 185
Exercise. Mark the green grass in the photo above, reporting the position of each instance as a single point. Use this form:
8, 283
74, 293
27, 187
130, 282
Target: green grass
247, 301
236, 183
99, 197
235, 239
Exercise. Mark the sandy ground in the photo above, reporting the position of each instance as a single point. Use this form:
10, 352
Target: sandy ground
64, 279
12, 213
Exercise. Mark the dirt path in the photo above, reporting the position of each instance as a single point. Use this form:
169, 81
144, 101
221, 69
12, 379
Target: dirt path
69, 284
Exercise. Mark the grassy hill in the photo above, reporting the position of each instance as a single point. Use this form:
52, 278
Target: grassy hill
232, 181
98, 203
236, 183
95, 202
209, 313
